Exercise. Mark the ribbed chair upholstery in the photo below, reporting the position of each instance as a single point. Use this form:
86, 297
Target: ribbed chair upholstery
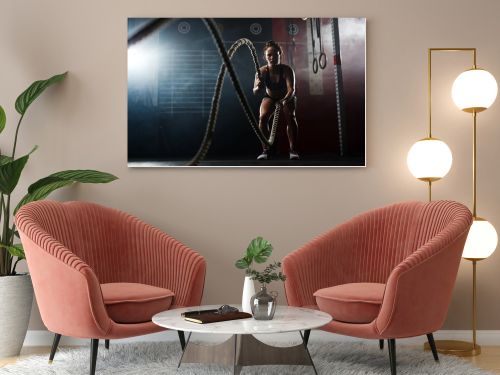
100, 273
385, 274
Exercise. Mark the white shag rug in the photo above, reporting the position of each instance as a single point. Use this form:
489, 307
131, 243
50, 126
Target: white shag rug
155, 358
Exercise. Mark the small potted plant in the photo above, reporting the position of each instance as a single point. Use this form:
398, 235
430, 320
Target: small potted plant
258, 304
258, 250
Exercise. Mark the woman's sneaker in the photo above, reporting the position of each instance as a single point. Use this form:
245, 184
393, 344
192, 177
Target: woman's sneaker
294, 156
263, 156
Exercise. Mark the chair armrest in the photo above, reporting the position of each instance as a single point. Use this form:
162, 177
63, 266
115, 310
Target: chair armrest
67, 290
321, 263
162, 261
419, 289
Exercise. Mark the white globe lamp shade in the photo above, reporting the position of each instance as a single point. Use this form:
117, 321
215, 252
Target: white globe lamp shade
481, 241
429, 159
474, 90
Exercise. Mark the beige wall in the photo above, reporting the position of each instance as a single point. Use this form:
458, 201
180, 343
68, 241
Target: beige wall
83, 124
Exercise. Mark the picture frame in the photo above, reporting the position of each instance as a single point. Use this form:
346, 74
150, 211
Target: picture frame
187, 106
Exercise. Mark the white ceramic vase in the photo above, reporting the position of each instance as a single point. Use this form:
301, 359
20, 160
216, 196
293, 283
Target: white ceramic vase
248, 292
16, 298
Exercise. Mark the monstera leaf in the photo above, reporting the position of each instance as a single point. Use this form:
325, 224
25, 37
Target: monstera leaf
258, 250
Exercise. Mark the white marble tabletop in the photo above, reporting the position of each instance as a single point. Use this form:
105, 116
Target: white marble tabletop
286, 319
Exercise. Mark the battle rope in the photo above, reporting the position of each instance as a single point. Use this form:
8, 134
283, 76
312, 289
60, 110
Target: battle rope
214, 110
274, 127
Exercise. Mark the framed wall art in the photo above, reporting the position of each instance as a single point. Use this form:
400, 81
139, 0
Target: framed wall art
253, 92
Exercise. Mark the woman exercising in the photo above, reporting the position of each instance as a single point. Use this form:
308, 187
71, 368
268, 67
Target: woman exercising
279, 83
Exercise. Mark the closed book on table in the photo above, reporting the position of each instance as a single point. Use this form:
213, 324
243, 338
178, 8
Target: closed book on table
212, 317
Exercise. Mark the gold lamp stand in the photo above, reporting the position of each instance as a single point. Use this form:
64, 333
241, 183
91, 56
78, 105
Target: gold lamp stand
455, 347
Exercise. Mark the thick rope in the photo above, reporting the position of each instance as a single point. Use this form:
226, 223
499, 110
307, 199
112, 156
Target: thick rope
214, 110
277, 109
211, 26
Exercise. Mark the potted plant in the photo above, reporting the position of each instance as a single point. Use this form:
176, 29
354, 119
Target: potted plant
259, 250
16, 291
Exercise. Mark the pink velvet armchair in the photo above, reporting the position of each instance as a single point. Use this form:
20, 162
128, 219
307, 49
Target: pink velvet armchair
385, 274
100, 273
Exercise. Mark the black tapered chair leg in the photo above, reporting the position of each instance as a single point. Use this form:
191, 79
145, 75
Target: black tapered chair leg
392, 355
307, 333
94, 345
381, 344
432, 344
182, 339
55, 344
106, 344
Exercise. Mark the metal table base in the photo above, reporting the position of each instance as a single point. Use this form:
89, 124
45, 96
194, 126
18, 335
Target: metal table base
246, 350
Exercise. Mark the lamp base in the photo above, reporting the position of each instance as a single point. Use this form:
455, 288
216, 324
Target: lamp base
454, 347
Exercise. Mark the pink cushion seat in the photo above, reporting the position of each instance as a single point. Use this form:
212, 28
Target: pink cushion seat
134, 302
351, 303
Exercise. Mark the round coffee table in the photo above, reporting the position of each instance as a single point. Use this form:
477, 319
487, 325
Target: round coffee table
242, 348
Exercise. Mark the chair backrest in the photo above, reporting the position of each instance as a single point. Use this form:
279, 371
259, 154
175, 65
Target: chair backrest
96, 234
386, 236
379, 242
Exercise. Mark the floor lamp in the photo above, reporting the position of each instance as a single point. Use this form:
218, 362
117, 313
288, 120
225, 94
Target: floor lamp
473, 91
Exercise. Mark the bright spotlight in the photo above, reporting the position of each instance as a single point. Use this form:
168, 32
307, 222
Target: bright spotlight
142, 60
